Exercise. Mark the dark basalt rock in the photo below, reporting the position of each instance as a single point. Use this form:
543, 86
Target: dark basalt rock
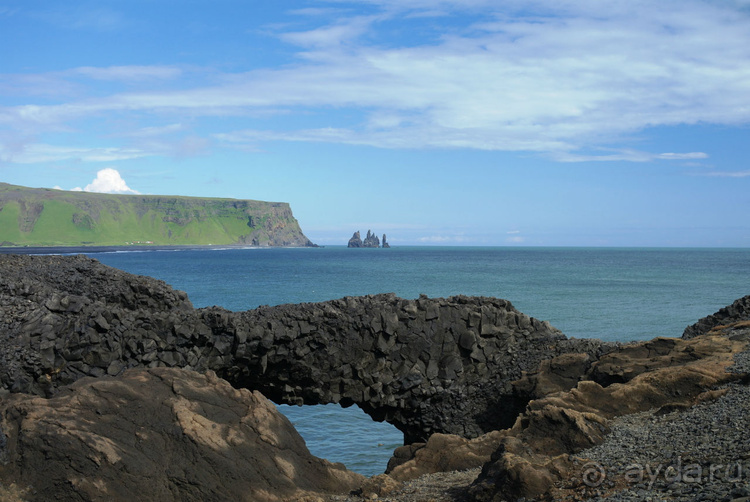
371, 240
736, 312
426, 365
355, 241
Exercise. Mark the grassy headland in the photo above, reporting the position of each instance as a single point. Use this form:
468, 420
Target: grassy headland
46, 217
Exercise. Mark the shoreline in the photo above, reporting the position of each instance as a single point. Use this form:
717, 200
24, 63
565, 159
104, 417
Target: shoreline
66, 250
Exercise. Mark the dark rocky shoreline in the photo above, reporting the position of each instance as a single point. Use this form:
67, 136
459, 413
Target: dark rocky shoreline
471, 382
426, 365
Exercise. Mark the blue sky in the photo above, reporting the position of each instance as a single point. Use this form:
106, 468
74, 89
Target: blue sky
453, 122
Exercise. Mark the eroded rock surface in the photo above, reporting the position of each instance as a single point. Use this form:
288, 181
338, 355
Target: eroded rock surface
158, 434
572, 400
426, 365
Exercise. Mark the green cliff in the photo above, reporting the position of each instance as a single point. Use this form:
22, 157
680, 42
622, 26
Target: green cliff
45, 217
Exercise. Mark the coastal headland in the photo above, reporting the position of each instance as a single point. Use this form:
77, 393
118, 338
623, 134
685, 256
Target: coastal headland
471, 381
46, 217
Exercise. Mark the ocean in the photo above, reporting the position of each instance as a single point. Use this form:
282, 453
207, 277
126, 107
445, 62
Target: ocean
608, 293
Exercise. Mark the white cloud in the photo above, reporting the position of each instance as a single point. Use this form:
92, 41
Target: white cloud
154, 131
567, 78
126, 73
727, 174
682, 156
39, 152
443, 239
628, 156
330, 36
107, 181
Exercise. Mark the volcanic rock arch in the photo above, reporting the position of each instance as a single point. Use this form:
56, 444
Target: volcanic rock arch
425, 365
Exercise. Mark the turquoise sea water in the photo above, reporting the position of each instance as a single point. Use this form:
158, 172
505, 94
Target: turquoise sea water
613, 294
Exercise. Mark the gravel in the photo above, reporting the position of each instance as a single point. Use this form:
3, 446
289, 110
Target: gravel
698, 454
439, 487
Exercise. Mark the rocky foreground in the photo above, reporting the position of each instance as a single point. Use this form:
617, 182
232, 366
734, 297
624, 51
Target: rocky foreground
116, 388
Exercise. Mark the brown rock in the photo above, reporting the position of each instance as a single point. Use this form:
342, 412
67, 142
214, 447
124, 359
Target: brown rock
668, 373
560, 373
444, 453
161, 434
380, 486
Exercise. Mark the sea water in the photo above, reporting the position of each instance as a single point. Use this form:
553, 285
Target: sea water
612, 294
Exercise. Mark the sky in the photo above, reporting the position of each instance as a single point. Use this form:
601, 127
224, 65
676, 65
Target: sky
440, 122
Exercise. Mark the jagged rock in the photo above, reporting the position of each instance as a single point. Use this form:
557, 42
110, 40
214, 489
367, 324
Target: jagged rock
426, 365
355, 241
385, 244
736, 312
371, 241
159, 434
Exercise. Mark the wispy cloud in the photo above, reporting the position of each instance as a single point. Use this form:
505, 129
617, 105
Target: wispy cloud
443, 239
39, 152
128, 73
330, 36
726, 174
628, 156
564, 79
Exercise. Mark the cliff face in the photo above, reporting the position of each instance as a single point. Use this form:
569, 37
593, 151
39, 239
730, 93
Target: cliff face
44, 217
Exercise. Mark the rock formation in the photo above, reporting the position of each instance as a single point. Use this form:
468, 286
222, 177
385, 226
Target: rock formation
425, 365
355, 241
737, 312
536, 453
158, 434
572, 397
385, 243
371, 241
470, 381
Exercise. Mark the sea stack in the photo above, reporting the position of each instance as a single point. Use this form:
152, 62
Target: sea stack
355, 241
371, 241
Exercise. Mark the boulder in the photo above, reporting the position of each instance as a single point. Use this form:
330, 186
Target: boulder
443, 453
158, 434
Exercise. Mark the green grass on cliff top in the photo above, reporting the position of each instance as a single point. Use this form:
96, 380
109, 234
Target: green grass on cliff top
82, 218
